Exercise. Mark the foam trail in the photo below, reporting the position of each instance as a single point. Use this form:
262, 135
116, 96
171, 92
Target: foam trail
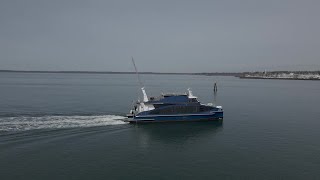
55, 122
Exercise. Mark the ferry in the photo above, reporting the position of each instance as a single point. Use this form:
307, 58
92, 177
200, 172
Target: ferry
173, 107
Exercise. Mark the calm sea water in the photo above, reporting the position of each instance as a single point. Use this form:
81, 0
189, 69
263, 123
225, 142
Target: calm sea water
68, 126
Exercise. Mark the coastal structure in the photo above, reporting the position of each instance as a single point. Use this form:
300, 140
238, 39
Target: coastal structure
294, 75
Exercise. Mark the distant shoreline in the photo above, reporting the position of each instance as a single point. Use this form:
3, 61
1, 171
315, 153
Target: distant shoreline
241, 77
283, 75
114, 72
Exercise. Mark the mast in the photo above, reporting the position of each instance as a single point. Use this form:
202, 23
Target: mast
145, 97
135, 68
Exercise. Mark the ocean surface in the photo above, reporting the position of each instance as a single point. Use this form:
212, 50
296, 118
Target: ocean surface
69, 126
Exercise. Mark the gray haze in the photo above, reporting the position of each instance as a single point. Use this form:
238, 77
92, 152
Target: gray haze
163, 35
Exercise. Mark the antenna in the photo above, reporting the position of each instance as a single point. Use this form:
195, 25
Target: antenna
135, 67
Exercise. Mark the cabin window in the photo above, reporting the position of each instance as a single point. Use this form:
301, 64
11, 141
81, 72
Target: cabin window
205, 108
193, 100
177, 110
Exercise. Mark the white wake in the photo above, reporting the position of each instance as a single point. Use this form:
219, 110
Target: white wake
56, 122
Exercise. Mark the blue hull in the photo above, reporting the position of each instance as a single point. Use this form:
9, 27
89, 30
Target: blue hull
174, 118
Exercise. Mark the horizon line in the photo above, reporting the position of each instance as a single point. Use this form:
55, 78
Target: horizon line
111, 72
146, 72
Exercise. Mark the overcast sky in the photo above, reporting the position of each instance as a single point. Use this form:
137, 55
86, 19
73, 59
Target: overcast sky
162, 36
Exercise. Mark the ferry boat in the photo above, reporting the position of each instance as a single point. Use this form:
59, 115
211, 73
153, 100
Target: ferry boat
173, 107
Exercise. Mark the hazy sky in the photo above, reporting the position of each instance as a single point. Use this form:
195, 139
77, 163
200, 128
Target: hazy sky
163, 35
